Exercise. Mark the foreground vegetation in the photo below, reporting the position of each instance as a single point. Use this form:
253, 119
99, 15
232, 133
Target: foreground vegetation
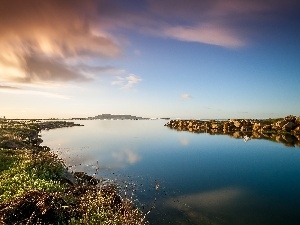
36, 187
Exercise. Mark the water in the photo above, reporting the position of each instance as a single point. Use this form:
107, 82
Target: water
189, 178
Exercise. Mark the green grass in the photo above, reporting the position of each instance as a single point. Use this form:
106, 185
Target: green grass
33, 191
21, 173
7, 159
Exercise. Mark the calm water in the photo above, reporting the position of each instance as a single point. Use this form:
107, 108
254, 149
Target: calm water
189, 178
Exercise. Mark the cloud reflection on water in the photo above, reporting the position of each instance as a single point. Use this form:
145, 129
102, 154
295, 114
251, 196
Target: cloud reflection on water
210, 207
211, 199
184, 141
126, 156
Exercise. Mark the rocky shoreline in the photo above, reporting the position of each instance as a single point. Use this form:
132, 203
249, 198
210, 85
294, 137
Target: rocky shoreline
19, 134
37, 188
284, 130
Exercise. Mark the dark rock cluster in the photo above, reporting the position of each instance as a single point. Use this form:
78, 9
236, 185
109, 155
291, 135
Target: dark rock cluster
285, 130
56, 124
19, 134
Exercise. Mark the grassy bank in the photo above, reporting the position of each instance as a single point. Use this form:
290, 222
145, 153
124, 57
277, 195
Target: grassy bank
36, 188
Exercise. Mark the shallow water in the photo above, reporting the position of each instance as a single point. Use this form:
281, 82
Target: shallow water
189, 178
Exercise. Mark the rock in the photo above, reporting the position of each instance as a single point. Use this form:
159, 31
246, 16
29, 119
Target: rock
246, 128
37, 141
257, 126
297, 129
298, 120
290, 118
12, 144
46, 208
84, 178
216, 126
291, 139
289, 126
279, 138
237, 134
237, 123
68, 177
281, 123
267, 128
207, 125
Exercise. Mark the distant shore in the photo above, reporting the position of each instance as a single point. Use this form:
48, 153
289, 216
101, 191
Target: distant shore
284, 130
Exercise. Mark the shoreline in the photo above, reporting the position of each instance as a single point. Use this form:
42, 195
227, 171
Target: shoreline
37, 188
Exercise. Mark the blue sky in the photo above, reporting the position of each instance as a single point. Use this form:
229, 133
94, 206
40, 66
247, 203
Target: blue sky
167, 58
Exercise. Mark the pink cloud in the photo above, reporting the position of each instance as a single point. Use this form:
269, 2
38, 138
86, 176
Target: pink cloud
39, 39
207, 34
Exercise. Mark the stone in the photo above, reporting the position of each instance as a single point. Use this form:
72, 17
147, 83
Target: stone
290, 118
216, 126
289, 126
297, 129
257, 126
267, 128
237, 123
291, 139
281, 123
237, 134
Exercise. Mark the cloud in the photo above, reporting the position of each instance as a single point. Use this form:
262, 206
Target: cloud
127, 82
100, 69
39, 40
206, 34
66, 37
16, 90
185, 96
228, 10
52, 91
206, 22
45, 69
228, 23
9, 87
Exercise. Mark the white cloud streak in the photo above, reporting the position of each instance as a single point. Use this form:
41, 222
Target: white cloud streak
127, 82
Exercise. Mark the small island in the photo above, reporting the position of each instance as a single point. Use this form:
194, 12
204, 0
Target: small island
111, 117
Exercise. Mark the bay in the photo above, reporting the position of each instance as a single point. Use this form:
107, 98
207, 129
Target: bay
187, 178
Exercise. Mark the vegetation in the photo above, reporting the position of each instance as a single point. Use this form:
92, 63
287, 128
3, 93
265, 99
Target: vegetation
34, 188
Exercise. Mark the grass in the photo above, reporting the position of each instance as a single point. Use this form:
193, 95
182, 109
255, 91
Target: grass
33, 189
24, 173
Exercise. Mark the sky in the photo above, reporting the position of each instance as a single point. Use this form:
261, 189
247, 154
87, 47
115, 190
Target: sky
192, 59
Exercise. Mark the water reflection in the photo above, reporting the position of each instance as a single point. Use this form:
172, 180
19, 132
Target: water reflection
199, 207
125, 156
212, 199
184, 141
203, 178
289, 140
